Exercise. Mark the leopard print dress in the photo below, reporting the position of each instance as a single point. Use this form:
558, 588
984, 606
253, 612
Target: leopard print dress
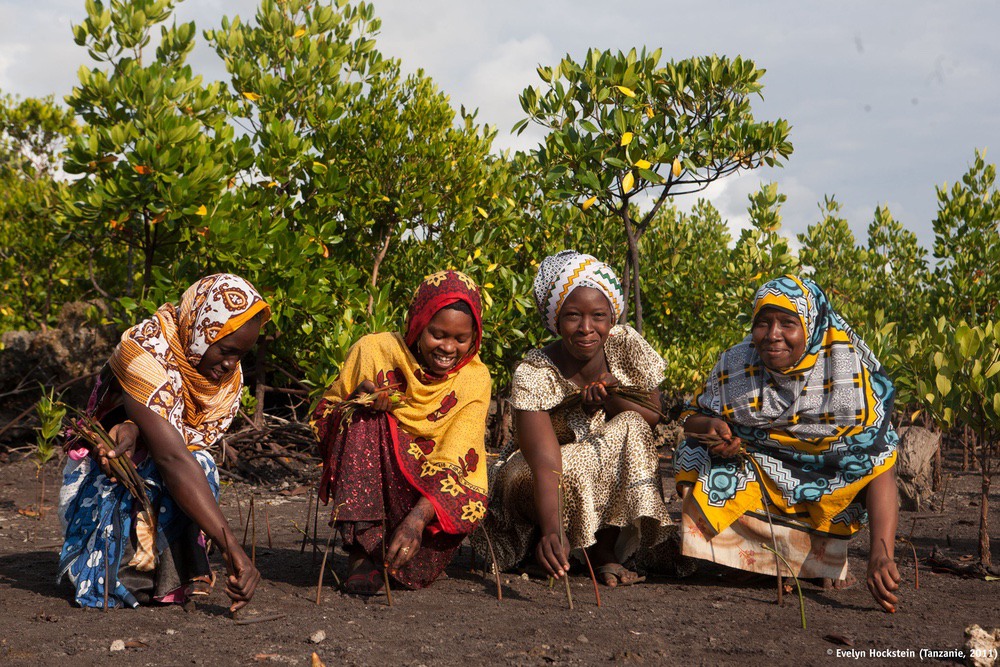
610, 468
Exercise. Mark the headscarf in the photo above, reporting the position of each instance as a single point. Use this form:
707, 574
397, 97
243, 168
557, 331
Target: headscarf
819, 430
156, 360
437, 291
560, 274
439, 433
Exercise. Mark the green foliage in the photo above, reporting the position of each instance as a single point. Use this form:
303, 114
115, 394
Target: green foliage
50, 414
35, 283
622, 126
156, 151
967, 245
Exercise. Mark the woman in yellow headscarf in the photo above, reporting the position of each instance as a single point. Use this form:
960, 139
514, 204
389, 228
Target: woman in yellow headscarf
408, 479
169, 391
792, 443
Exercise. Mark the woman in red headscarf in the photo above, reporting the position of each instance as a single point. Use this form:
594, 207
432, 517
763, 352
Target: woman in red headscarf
415, 466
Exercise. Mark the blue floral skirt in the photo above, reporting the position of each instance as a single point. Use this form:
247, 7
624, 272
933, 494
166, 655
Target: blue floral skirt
98, 520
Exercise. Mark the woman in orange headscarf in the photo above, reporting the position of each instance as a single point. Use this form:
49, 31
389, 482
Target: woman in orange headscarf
169, 391
407, 479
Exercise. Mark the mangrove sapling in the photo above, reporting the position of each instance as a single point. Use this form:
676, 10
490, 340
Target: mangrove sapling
707, 439
562, 535
633, 394
93, 434
326, 552
50, 415
802, 603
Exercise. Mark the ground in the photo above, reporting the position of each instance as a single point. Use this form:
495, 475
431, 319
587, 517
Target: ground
695, 621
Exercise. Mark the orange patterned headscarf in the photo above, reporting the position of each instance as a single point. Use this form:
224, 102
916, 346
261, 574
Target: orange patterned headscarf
156, 360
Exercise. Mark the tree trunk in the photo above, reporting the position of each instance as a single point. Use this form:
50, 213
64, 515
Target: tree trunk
626, 291
985, 558
148, 250
378, 262
633, 252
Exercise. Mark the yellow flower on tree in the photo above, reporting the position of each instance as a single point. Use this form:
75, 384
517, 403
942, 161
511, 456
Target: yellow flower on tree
473, 511
451, 487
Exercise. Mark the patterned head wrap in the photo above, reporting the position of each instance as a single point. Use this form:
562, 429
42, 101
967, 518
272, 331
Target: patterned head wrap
436, 291
562, 273
156, 360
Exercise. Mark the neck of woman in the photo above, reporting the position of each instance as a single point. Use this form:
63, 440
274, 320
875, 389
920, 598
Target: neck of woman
578, 371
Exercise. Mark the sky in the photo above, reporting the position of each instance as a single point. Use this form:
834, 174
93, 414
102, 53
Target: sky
887, 100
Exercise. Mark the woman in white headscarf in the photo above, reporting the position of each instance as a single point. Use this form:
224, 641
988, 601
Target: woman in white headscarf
601, 447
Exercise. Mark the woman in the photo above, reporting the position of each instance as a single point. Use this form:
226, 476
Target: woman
795, 416
600, 447
405, 473
170, 389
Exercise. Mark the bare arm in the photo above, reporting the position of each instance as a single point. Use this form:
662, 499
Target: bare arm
186, 482
882, 502
540, 447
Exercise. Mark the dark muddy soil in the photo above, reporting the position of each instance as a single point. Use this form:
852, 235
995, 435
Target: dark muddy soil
700, 620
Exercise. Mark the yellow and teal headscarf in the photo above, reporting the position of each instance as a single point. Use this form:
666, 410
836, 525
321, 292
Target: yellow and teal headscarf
819, 430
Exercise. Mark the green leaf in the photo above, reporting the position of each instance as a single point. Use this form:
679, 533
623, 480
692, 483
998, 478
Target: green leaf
943, 385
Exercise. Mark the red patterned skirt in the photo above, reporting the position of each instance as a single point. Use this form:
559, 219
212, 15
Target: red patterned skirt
362, 476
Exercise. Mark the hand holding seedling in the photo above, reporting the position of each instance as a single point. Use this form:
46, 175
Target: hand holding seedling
381, 402
595, 394
242, 578
125, 436
715, 434
552, 553
883, 579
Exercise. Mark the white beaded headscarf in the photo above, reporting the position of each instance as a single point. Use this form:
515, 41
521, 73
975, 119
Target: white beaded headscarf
562, 273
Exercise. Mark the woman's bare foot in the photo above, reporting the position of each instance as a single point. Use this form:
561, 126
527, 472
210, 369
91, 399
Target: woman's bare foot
613, 574
839, 584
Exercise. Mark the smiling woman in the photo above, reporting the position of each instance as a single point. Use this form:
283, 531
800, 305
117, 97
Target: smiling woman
791, 442
169, 391
593, 460
405, 471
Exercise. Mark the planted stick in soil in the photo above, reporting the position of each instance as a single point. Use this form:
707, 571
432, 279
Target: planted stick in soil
239, 505
246, 525
107, 571
253, 533
385, 565
597, 593
802, 603
774, 540
267, 521
329, 541
493, 559
562, 538
228, 555
305, 534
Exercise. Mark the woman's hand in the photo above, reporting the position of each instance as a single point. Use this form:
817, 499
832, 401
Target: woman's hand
242, 580
595, 394
125, 436
883, 578
382, 402
730, 445
405, 543
552, 555
408, 535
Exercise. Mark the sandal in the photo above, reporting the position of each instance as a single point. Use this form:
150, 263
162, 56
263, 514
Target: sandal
201, 585
622, 575
364, 583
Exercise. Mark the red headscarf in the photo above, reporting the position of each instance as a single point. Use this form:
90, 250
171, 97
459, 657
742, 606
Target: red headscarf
434, 293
